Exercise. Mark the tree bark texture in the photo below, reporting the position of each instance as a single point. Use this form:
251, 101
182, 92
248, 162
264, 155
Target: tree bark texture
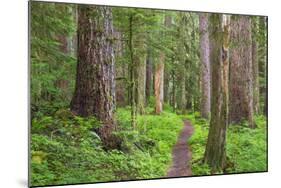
241, 75
205, 66
159, 84
219, 40
95, 83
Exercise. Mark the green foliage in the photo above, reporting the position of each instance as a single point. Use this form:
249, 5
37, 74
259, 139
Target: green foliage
154, 137
51, 67
246, 148
65, 149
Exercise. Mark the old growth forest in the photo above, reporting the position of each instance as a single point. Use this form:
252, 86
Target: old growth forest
131, 93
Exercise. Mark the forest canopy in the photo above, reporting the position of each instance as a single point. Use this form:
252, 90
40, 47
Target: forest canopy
132, 93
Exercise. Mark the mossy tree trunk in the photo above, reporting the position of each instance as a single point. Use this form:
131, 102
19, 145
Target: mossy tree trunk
241, 72
215, 153
205, 66
95, 84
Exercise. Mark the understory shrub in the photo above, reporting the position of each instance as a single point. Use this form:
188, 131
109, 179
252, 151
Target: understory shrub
65, 149
246, 148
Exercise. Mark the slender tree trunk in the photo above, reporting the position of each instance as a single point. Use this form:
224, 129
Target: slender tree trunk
166, 85
265, 110
181, 91
149, 72
241, 75
140, 68
61, 83
159, 75
255, 66
140, 81
159, 84
66, 47
205, 66
95, 84
181, 67
120, 72
189, 99
173, 101
215, 154
132, 95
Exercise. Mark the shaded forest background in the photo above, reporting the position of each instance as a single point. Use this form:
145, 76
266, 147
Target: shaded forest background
111, 86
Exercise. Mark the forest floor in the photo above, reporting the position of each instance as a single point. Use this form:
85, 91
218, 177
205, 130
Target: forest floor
182, 153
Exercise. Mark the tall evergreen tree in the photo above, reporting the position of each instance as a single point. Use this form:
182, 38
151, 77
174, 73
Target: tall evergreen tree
241, 71
205, 65
215, 152
255, 66
95, 84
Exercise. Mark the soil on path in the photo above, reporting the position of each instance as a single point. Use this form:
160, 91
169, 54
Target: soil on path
181, 153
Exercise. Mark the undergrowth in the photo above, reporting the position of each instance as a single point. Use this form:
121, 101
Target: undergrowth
246, 148
66, 150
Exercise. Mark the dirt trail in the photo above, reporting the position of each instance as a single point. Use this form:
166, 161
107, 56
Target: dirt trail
181, 153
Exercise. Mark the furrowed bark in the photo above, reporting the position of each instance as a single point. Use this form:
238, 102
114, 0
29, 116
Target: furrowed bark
95, 84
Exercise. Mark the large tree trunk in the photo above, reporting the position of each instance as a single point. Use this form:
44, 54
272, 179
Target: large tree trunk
205, 66
219, 40
95, 84
241, 75
159, 84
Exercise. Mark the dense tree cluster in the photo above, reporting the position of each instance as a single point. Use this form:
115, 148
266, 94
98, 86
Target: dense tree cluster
96, 59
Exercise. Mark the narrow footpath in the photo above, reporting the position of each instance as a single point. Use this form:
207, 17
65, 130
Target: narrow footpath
181, 153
